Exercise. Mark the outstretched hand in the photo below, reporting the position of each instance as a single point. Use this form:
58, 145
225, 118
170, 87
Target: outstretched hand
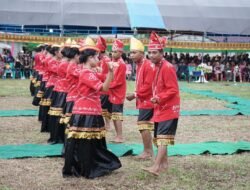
111, 66
154, 100
130, 97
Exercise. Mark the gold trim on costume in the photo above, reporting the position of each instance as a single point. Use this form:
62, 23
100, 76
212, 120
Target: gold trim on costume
86, 135
66, 132
165, 136
66, 119
55, 111
86, 129
106, 114
33, 80
117, 116
40, 94
45, 102
163, 141
38, 83
61, 121
145, 126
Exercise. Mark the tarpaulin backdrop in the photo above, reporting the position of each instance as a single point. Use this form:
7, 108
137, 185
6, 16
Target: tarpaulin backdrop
218, 16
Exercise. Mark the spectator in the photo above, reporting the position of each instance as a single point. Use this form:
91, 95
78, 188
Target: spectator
218, 72
228, 72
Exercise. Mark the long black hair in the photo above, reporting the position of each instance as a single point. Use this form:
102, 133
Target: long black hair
70, 52
40, 48
53, 50
85, 54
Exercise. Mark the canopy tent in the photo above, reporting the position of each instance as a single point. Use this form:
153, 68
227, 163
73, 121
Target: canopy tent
217, 16
4, 46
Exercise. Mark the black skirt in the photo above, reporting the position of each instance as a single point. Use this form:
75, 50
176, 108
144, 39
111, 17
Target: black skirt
32, 83
39, 94
55, 112
86, 153
67, 112
44, 107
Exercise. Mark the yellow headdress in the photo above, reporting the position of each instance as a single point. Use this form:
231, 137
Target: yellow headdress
136, 45
68, 42
89, 44
74, 44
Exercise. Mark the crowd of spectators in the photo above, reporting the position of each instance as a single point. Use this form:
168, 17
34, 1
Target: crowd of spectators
234, 68
19, 67
223, 68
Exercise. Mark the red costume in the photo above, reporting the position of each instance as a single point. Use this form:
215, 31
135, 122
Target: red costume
144, 79
166, 91
88, 101
62, 84
117, 88
166, 96
52, 72
73, 78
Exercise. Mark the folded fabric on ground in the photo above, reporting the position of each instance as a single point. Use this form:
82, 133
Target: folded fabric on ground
236, 103
200, 112
15, 113
236, 110
44, 150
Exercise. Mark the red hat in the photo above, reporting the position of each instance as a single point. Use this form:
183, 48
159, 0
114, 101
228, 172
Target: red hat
101, 43
117, 45
156, 42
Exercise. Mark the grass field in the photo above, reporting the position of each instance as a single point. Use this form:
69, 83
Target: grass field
189, 172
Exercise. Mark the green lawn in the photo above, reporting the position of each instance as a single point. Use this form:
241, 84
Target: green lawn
204, 172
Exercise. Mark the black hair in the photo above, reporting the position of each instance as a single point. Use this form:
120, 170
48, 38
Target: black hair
124, 57
48, 48
40, 48
70, 52
85, 54
162, 51
53, 50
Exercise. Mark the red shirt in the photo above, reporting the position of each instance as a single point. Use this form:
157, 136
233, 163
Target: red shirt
88, 101
40, 66
73, 77
166, 91
105, 69
62, 84
52, 70
117, 88
46, 61
37, 61
144, 80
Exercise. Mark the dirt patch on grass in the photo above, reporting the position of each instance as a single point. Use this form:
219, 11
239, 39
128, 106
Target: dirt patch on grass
204, 104
192, 172
20, 130
213, 128
16, 103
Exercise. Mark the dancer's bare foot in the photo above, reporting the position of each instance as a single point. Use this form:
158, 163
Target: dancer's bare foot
118, 140
152, 170
144, 156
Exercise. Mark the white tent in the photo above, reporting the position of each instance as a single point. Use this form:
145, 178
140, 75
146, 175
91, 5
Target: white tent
4, 46
218, 16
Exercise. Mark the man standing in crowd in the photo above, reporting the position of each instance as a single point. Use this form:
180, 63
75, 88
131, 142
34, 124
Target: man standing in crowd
103, 65
117, 89
143, 94
166, 100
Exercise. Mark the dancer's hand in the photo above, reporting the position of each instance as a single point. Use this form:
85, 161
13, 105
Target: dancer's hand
130, 97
